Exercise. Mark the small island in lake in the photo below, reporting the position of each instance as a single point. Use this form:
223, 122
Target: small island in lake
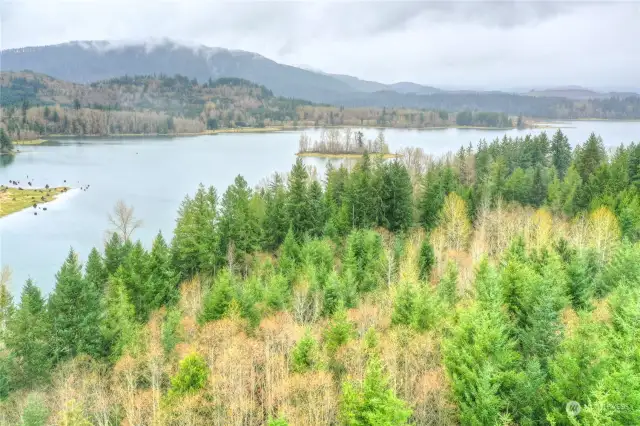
334, 143
15, 199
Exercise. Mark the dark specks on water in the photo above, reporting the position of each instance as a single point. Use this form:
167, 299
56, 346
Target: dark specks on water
166, 170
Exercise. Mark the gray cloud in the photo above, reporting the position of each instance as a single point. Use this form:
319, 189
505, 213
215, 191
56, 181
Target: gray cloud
465, 44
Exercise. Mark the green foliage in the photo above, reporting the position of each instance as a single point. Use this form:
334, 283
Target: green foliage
170, 328
280, 421
623, 268
298, 206
427, 309
75, 313
372, 402
276, 221
289, 257
218, 299
239, 223
581, 274
28, 338
35, 412
427, 259
448, 285
339, 331
304, 356
479, 357
118, 327
6, 145
161, 288
396, 197
95, 271
191, 376
365, 259
403, 305
560, 153
195, 245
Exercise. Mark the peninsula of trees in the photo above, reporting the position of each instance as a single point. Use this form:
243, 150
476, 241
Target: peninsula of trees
497, 285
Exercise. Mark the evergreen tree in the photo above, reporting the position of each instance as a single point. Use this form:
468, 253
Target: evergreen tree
590, 156
114, 254
448, 285
95, 273
403, 305
74, 310
118, 326
289, 257
136, 277
361, 201
6, 145
161, 288
192, 376
219, 298
239, 224
538, 188
396, 194
298, 207
317, 209
338, 332
426, 309
427, 259
480, 358
365, 259
373, 402
304, 356
276, 221
28, 337
195, 246
581, 273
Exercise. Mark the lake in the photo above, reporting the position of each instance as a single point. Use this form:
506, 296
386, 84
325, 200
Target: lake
155, 174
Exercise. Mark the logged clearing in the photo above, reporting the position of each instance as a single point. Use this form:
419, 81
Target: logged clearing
15, 199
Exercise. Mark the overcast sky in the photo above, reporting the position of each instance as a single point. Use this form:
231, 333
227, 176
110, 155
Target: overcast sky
475, 44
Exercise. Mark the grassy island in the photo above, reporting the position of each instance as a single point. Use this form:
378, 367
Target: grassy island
15, 199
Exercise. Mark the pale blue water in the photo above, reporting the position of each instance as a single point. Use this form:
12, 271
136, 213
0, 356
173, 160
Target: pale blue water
154, 175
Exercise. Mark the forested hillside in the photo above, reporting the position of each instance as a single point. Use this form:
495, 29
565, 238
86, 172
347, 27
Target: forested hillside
35, 105
92, 61
496, 285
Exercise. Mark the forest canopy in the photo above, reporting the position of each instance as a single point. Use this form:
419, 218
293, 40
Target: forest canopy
496, 285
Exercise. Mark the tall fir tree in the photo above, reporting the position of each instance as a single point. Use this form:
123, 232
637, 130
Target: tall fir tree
161, 288
95, 272
28, 338
276, 220
560, 153
239, 224
118, 327
298, 209
75, 313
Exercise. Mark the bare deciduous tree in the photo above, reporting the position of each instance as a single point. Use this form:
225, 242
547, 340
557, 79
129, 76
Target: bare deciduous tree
123, 220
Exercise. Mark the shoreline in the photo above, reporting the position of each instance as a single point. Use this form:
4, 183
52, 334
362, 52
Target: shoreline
272, 129
14, 200
345, 155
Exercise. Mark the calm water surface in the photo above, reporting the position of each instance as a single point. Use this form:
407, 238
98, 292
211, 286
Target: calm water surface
154, 175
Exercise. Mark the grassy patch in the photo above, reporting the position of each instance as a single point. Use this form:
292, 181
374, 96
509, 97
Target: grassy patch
13, 199
29, 142
341, 155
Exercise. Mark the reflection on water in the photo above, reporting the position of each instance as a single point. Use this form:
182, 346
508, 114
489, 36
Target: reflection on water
6, 160
154, 175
